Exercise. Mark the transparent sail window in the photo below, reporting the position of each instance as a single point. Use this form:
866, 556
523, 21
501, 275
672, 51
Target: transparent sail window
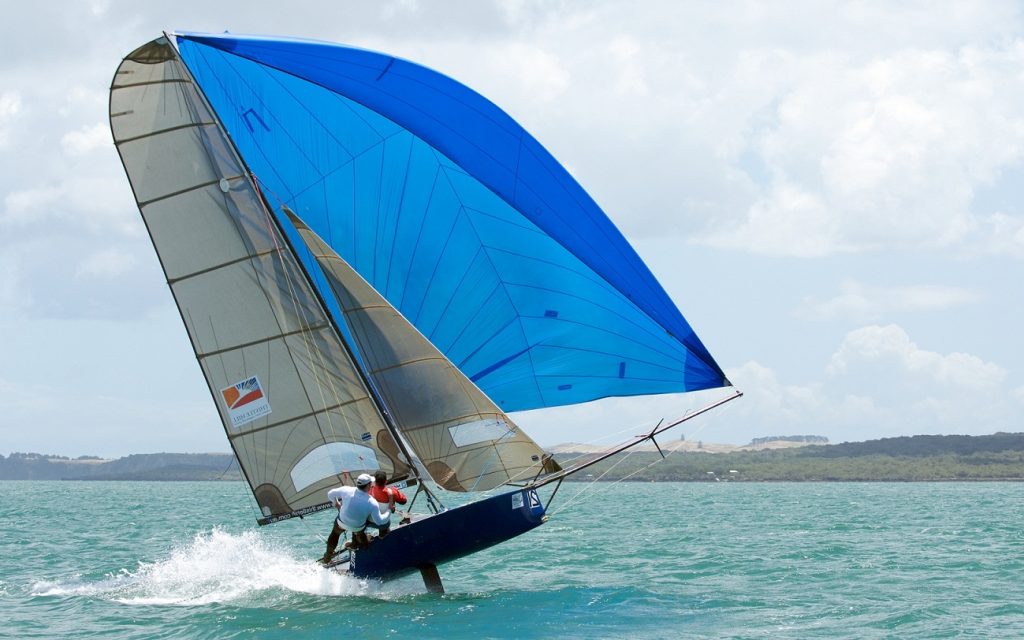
331, 459
479, 431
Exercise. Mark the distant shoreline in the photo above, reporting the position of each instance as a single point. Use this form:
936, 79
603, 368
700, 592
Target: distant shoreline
993, 458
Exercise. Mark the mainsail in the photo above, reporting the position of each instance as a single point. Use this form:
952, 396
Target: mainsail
295, 407
464, 440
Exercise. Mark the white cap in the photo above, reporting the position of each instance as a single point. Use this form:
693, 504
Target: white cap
364, 479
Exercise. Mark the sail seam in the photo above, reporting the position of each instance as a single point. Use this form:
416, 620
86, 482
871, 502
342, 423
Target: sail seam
309, 329
303, 416
196, 187
501, 281
148, 82
191, 125
245, 258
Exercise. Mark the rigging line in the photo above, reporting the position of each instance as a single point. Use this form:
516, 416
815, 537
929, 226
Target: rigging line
333, 389
494, 456
305, 337
589, 486
310, 530
226, 469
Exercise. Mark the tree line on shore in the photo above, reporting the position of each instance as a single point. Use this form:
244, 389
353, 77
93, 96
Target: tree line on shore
913, 458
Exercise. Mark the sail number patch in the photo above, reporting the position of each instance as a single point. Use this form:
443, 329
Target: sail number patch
245, 401
518, 499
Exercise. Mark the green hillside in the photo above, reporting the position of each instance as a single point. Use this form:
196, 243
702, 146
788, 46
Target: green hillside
915, 458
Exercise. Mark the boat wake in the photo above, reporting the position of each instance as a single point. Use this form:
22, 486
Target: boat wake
220, 567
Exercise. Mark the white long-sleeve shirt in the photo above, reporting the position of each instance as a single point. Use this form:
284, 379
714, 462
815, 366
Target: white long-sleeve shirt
357, 507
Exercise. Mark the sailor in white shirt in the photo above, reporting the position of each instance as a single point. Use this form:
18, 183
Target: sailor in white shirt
356, 510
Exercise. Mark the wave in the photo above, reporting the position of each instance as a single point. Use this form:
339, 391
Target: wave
220, 567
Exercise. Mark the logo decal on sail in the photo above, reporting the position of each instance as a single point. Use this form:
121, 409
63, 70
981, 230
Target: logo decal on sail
245, 401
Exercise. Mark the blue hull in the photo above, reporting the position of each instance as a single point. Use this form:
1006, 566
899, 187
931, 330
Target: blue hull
448, 535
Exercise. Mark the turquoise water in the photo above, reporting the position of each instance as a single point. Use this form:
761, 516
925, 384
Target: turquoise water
185, 560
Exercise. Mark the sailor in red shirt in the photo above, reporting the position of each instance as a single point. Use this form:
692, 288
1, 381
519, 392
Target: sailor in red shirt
386, 496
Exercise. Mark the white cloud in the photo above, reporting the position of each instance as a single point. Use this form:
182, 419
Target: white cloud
900, 358
529, 69
1005, 235
29, 205
863, 155
86, 139
862, 303
108, 263
98, 204
10, 105
878, 383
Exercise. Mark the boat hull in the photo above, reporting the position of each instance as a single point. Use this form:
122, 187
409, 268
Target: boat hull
449, 535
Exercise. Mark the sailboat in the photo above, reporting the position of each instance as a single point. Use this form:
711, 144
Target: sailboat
374, 265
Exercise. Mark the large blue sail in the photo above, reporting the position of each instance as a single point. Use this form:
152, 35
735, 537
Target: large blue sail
456, 215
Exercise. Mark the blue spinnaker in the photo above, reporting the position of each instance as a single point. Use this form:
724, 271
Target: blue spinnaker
456, 215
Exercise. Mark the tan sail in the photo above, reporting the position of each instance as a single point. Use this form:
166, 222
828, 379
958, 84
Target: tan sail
465, 441
295, 408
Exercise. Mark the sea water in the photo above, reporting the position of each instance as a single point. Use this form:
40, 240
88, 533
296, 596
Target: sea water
626, 560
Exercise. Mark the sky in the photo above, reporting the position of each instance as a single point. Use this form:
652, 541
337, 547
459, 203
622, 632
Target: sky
831, 192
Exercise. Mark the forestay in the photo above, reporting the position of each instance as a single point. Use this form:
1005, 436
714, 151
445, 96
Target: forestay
464, 440
294, 407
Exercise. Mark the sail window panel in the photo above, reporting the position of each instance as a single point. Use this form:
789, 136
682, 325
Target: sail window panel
168, 163
303, 458
327, 461
194, 232
359, 423
486, 430
146, 109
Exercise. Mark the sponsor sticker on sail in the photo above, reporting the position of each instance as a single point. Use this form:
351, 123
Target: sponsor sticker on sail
245, 401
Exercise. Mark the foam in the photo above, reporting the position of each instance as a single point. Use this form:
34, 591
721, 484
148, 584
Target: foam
217, 566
